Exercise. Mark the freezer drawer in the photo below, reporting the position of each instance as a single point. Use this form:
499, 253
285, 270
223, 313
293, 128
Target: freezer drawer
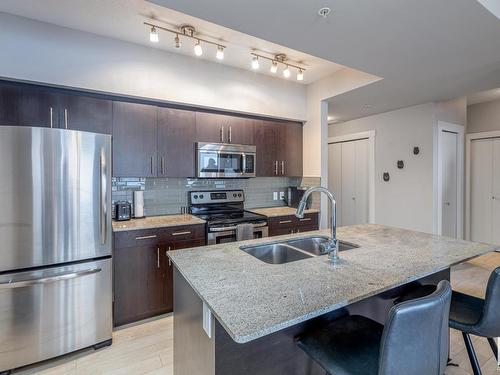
50, 312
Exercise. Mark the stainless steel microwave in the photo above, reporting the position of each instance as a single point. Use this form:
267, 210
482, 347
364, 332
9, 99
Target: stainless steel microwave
222, 160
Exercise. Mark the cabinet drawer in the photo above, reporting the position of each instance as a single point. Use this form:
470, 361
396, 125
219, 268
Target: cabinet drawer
155, 236
282, 221
309, 220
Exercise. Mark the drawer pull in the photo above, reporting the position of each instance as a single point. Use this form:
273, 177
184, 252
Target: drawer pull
306, 219
145, 237
181, 233
285, 222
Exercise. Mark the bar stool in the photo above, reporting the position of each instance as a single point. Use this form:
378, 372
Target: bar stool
472, 315
414, 340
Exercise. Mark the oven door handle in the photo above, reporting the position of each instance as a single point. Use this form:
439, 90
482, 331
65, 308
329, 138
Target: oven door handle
226, 229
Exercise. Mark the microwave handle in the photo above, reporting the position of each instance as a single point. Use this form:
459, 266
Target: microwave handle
244, 163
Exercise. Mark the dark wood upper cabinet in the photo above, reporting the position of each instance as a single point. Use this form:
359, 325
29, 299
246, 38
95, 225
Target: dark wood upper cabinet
10, 98
85, 113
217, 128
176, 135
134, 140
292, 150
38, 106
211, 127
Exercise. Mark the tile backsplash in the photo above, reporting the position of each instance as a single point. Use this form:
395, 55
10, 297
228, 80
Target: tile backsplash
163, 196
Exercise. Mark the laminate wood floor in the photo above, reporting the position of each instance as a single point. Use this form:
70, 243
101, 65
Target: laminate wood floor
147, 348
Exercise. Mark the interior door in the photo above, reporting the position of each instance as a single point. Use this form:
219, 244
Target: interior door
495, 196
481, 180
348, 174
335, 177
449, 178
361, 194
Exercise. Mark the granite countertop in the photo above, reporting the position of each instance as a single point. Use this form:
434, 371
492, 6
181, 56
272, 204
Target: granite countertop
156, 222
252, 299
280, 211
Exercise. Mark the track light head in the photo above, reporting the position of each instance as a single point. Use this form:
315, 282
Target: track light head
274, 67
300, 75
177, 41
153, 35
220, 53
198, 51
286, 72
255, 63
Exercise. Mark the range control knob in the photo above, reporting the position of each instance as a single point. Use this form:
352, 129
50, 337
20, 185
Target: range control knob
239, 195
234, 195
201, 196
195, 196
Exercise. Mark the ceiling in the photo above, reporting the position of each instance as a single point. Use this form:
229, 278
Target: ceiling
123, 19
483, 96
425, 50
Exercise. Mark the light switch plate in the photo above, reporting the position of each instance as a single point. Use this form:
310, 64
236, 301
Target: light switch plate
275, 195
282, 195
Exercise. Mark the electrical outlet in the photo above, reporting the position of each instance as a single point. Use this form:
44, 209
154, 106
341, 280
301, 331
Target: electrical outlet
282, 195
275, 195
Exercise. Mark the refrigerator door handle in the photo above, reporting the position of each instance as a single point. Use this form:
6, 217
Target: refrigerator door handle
103, 198
51, 279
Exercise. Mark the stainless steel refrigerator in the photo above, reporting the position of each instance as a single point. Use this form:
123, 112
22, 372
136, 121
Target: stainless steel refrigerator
55, 243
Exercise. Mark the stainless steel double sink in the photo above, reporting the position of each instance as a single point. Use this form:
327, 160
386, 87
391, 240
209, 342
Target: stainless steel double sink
292, 250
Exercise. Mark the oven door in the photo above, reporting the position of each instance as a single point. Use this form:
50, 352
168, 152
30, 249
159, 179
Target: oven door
227, 161
228, 234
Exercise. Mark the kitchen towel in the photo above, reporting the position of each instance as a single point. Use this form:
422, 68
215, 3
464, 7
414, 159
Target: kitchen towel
244, 232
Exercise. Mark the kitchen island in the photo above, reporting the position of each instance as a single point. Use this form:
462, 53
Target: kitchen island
235, 314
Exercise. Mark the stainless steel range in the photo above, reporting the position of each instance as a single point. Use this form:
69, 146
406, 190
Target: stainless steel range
226, 218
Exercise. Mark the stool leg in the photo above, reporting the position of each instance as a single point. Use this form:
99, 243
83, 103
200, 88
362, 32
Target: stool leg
472, 354
494, 347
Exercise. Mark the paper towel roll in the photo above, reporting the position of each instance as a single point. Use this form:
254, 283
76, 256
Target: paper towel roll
138, 203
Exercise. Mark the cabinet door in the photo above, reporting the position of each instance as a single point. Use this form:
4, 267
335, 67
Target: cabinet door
10, 98
136, 278
176, 134
134, 140
211, 127
38, 106
269, 141
292, 158
348, 188
495, 201
85, 113
240, 130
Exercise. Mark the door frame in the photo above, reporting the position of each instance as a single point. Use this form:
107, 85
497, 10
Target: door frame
438, 187
468, 145
370, 135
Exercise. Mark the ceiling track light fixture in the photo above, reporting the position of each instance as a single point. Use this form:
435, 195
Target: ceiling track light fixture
186, 31
278, 59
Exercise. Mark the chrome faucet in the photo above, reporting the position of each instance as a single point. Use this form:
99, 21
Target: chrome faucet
332, 246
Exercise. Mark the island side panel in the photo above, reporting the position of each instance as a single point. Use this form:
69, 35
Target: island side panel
194, 351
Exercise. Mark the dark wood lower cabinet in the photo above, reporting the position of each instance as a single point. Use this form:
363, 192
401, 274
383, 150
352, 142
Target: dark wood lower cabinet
282, 225
143, 285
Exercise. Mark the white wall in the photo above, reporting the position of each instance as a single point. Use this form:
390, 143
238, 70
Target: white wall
483, 117
405, 201
46, 53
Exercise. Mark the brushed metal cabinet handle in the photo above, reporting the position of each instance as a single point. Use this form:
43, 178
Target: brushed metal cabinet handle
276, 167
181, 233
151, 161
158, 257
282, 167
230, 135
169, 260
306, 219
65, 118
51, 117
146, 237
285, 222
222, 133
162, 160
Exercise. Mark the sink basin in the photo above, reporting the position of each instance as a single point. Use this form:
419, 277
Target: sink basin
312, 245
277, 253
292, 250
